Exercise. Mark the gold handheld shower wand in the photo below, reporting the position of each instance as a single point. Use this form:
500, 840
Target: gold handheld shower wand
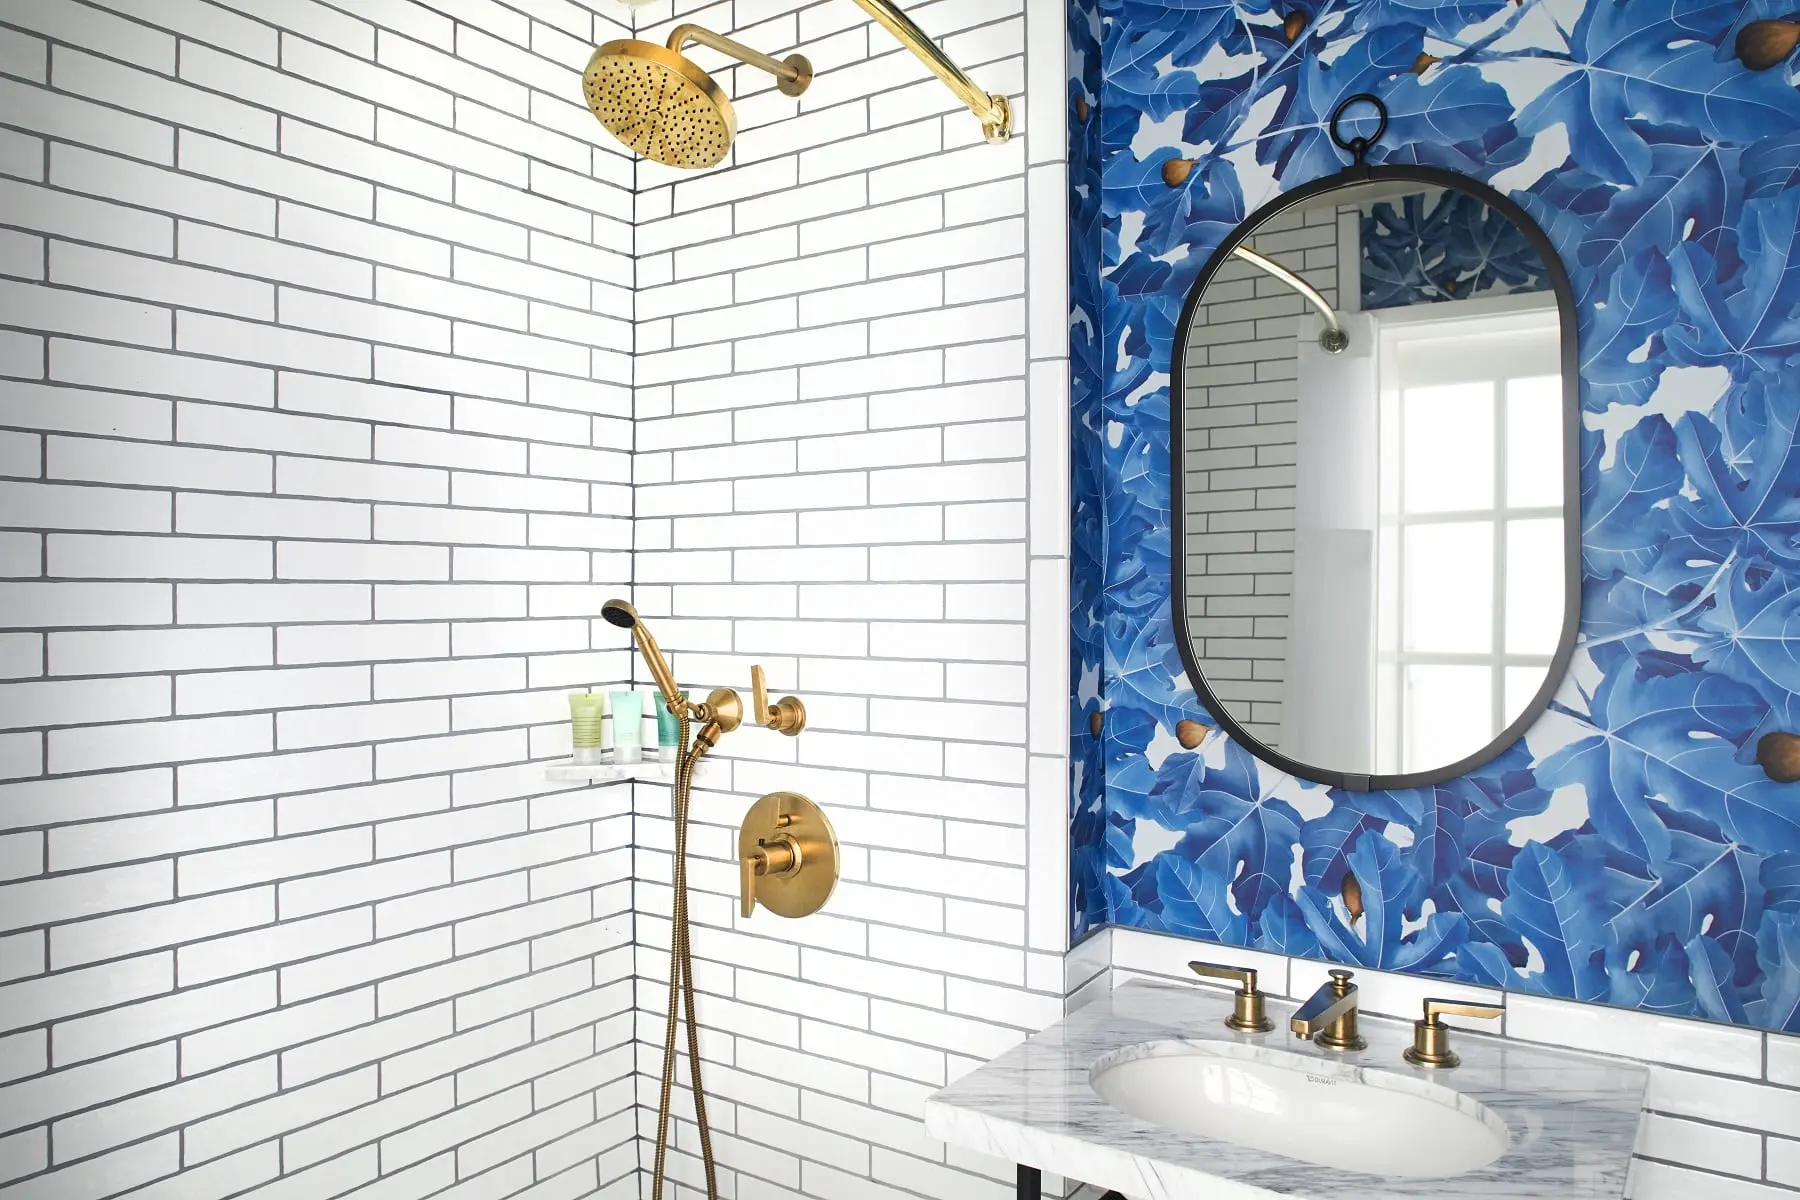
655, 100
720, 714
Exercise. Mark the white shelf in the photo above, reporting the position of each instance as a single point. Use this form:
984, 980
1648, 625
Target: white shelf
570, 771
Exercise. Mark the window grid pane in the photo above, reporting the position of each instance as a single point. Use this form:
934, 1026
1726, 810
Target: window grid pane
1464, 574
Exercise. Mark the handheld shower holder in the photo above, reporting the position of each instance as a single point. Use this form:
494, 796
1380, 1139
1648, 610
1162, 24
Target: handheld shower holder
723, 709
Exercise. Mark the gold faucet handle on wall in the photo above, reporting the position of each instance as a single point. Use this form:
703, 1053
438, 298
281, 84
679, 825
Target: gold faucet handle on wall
1247, 1014
1431, 1037
787, 856
787, 715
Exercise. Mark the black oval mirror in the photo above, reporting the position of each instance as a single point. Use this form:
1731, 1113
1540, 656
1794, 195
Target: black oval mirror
1376, 516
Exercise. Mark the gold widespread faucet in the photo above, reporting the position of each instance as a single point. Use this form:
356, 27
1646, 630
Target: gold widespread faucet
1328, 1018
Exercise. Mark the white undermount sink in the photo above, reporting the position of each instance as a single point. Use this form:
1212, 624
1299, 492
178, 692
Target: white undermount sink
1147, 1092
1302, 1108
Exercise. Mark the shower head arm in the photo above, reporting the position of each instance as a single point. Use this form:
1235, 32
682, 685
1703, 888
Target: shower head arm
794, 73
1334, 340
994, 110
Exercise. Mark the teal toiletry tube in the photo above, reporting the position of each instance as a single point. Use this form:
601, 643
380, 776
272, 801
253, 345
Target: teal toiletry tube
628, 727
668, 730
586, 711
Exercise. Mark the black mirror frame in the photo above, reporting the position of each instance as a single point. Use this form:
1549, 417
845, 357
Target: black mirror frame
1359, 173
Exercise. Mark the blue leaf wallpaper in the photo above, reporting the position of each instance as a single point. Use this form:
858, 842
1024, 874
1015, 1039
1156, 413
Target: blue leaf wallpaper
1641, 845
1432, 247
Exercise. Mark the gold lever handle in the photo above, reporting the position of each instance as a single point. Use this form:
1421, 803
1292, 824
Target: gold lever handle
778, 857
1247, 1014
787, 715
1244, 977
1431, 1037
1456, 1008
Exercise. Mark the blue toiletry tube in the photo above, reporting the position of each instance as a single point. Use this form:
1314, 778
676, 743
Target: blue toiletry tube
668, 729
628, 727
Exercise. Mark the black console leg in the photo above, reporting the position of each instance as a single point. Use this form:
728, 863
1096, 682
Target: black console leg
1031, 1183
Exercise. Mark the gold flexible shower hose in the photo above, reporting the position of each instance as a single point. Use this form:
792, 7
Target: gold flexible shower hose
681, 981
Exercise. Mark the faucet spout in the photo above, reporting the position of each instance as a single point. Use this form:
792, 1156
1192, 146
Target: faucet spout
1328, 1018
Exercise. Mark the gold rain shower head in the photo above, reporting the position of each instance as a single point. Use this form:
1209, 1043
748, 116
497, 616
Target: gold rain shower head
664, 107
656, 101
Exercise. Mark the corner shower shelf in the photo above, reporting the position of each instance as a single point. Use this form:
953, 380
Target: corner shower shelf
570, 771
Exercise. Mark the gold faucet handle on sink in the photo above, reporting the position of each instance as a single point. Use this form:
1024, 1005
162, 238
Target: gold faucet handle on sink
787, 715
1431, 1037
1247, 1013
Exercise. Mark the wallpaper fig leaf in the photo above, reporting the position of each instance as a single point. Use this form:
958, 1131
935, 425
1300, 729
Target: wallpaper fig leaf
1449, 247
1629, 849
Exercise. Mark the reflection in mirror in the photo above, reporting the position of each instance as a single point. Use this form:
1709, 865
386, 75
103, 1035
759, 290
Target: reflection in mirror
1373, 409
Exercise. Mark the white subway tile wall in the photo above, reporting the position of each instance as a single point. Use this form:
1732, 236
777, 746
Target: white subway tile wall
316, 455
845, 356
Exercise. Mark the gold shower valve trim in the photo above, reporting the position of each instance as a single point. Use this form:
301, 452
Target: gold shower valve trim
787, 856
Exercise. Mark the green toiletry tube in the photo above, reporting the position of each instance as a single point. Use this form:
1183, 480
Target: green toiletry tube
668, 729
586, 710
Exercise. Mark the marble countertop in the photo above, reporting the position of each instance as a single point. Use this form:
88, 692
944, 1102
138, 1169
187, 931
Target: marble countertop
1570, 1118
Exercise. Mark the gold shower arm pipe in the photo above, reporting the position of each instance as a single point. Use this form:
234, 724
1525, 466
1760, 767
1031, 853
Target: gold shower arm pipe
1334, 339
994, 110
794, 74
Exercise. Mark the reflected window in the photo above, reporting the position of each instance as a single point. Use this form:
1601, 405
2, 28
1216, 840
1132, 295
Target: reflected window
1469, 607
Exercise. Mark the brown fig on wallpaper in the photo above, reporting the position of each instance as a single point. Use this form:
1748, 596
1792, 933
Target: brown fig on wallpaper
1778, 754
1295, 25
1096, 723
1353, 901
1424, 63
1190, 734
1175, 172
1081, 109
1765, 44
